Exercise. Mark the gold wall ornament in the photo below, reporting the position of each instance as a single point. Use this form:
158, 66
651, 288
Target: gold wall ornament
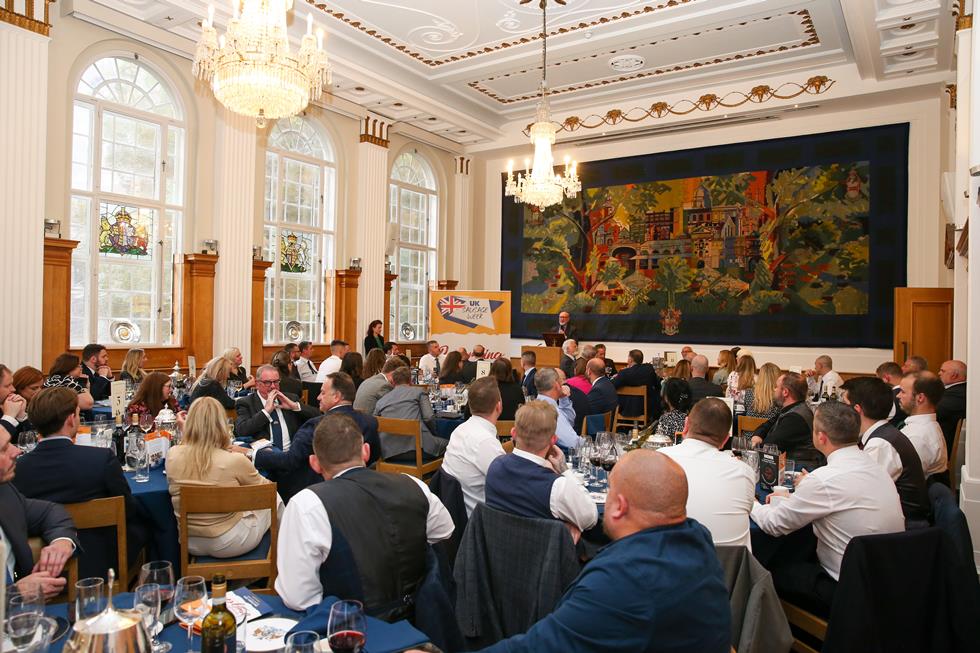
814, 86
27, 20
951, 89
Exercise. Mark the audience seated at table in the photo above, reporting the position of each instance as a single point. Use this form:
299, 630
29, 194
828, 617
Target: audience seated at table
451, 370
552, 391
638, 374
915, 364
288, 382
534, 480
66, 372
791, 430
657, 587
132, 367
510, 390
579, 379
742, 378
374, 339
952, 407
822, 378
153, 395
373, 363
212, 381
270, 414
720, 487
27, 381
22, 518
600, 353
238, 372
675, 396
726, 365
851, 495
474, 444
95, 368
305, 366
760, 398
580, 400
405, 401
569, 353
602, 396
352, 364
13, 404
431, 361
469, 365
529, 362
331, 364
921, 392
891, 373
291, 469
376, 386
203, 458
60, 471
347, 535
871, 398
701, 387
682, 370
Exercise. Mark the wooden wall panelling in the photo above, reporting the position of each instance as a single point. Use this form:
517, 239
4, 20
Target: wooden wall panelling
56, 300
198, 303
447, 284
345, 307
258, 356
389, 283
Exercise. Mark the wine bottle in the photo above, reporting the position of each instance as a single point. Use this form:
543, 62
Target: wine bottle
119, 440
218, 629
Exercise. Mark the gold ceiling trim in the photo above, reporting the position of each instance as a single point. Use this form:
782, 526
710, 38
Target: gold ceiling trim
708, 102
27, 22
806, 24
354, 22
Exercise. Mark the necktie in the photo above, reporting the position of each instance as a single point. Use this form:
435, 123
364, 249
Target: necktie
276, 430
312, 369
437, 365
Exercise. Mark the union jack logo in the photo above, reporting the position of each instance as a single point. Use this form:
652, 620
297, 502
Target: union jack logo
449, 304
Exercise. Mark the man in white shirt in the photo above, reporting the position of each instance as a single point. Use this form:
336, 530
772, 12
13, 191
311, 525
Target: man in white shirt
891, 373
387, 518
851, 495
432, 360
920, 393
550, 389
720, 488
822, 378
338, 349
474, 444
305, 367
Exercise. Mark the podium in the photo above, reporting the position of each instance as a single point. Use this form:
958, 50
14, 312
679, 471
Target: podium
545, 356
552, 339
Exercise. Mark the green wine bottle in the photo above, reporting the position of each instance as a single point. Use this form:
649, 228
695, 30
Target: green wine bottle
218, 630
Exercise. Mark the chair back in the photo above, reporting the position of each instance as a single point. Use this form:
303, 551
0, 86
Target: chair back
638, 421
407, 428
508, 446
70, 572
749, 424
196, 499
446, 486
504, 427
758, 621
592, 424
955, 470
101, 513
948, 517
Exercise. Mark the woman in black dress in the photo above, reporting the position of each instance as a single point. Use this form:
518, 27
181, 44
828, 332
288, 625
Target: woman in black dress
212, 382
374, 339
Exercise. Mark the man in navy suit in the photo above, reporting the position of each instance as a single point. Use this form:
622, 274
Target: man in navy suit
638, 374
291, 469
62, 472
270, 414
602, 397
528, 360
95, 366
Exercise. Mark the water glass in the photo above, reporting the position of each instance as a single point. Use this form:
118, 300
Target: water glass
27, 440
25, 600
789, 475
303, 641
137, 458
89, 600
190, 603
751, 458
30, 633
573, 457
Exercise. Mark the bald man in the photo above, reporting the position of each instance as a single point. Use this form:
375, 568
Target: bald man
657, 587
602, 397
952, 407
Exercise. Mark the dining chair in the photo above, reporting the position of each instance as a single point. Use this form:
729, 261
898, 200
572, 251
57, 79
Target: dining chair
632, 421
102, 513
415, 463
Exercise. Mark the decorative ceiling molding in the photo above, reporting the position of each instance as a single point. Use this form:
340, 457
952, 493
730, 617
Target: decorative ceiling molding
32, 17
809, 38
758, 94
408, 50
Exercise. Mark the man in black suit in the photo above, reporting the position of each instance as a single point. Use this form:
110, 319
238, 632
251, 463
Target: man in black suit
528, 361
602, 397
469, 366
891, 373
291, 469
269, 413
638, 374
701, 387
22, 518
95, 366
14, 407
569, 350
952, 407
59, 471
565, 326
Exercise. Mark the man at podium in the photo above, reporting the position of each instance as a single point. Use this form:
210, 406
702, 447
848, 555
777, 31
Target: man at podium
565, 326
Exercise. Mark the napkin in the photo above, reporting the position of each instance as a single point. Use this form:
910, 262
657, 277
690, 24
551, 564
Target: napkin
382, 637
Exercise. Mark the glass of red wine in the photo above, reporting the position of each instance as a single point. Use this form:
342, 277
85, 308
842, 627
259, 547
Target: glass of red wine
346, 627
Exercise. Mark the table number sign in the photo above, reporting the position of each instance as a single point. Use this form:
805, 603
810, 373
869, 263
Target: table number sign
117, 397
482, 369
192, 366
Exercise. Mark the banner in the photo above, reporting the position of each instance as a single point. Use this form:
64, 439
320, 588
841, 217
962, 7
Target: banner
466, 318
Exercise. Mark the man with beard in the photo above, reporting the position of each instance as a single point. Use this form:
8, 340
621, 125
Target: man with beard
792, 427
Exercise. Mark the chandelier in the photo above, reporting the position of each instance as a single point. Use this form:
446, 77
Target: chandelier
543, 187
250, 68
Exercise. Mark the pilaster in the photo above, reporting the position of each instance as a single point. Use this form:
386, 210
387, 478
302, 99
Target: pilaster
371, 224
462, 217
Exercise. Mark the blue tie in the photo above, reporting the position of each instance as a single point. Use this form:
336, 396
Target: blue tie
276, 430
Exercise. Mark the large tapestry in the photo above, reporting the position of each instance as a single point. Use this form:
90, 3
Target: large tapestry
780, 242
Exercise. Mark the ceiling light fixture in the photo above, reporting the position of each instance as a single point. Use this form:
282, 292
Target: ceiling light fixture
543, 186
250, 68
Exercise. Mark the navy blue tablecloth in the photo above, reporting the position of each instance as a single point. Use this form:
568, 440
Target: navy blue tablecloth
164, 543
445, 426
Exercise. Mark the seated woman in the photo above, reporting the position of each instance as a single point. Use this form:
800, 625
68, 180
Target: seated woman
132, 367
352, 364
66, 370
759, 399
211, 382
238, 373
741, 379
580, 381
511, 394
28, 381
373, 363
287, 382
451, 370
204, 457
726, 363
153, 395
676, 396
682, 370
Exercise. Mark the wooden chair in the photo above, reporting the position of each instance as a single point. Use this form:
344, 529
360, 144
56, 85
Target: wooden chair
70, 572
101, 513
606, 421
196, 499
806, 621
954, 456
509, 446
633, 421
407, 428
305, 397
749, 424
504, 428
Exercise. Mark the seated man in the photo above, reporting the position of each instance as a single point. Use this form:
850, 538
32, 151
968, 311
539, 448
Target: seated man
720, 488
638, 374
59, 471
331, 364
291, 469
469, 366
95, 368
406, 401
791, 428
569, 351
872, 399
602, 397
849, 496
474, 444
891, 373
701, 387
358, 534
529, 360
432, 360
600, 353
914, 365
269, 413
578, 399
822, 378
13, 405
534, 481
22, 518
376, 387
657, 587
952, 407
921, 392
550, 390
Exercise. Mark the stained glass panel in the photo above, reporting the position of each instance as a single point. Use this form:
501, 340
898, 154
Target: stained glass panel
125, 231
295, 252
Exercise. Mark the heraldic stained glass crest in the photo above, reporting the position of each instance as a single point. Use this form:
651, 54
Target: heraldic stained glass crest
123, 232
295, 252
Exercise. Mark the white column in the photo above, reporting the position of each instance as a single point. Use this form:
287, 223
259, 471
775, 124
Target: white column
23, 135
371, 221
234, 215
462, 217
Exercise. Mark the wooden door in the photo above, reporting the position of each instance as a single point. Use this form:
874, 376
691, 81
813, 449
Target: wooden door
924, 325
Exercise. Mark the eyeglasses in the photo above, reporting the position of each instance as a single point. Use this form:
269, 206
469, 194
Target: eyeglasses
276, 382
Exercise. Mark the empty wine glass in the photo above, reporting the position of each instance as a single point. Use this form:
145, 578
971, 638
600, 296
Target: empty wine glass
27, 440
190, 603
137, 458
346, 627
146, 422
147, 600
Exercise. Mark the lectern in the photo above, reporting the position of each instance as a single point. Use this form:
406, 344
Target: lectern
545, 356
553, 339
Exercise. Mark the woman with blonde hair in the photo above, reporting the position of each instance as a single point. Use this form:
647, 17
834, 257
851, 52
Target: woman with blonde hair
211, 382
726, 364
760, 398
682, 370
741, 379
238, 373
204, 458
132, 367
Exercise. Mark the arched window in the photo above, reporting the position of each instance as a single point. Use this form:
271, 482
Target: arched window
127, 204
299, 216
413, 206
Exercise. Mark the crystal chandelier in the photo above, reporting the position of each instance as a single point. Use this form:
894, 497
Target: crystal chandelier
251, 69
543, 187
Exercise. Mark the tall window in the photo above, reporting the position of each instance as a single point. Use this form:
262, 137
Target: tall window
413, 206
127, 204
300, 182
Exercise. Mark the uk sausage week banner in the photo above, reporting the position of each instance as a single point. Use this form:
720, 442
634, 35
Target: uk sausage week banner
466, 318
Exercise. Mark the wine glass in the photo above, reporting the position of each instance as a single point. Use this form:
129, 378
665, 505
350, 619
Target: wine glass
146, 422
27, 440
302, 641
160, 572
609, 459
137, 458
346, 627
88, 597
147, 600
190, 603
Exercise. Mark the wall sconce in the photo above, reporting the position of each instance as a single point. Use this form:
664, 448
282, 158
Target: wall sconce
52, 228
210, 247
355, 264
256, 252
